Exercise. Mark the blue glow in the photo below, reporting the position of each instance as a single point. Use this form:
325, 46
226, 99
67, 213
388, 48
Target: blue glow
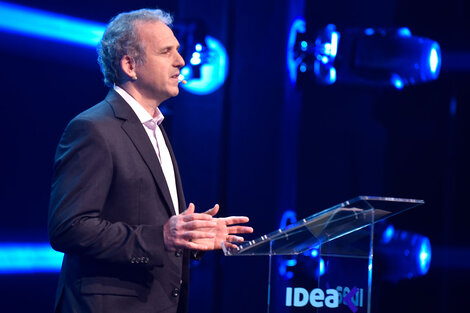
186, 71
304, 45
433, 60
198, 47
388, 234
424, 256
332, 78
404, 32
196, 58
303, 68
369, 31
334, 43
324, 59
213, 72
29, 258
396, 81
321, 267
289, 217
283, 268
453, 106
292, 63
314, 253
32, 22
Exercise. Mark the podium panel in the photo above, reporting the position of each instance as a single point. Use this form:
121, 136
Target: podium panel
323, 263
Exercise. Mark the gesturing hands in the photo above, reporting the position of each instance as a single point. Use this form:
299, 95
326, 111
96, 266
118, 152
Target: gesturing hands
202, 231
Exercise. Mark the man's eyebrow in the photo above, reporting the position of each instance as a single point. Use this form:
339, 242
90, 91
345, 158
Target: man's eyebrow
166, 48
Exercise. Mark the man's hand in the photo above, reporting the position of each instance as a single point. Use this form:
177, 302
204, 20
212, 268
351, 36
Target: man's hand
189, 230
223, 231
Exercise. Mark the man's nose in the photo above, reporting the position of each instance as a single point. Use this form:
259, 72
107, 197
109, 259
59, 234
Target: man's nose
179, 62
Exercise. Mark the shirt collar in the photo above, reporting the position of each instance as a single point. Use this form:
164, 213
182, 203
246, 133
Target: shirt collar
138, 109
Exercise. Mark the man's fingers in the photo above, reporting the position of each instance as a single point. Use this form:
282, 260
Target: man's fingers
196, 216
194, 235
189, 210
235, 238
213, 211
197, 224
239, 230
236, 220
229, 245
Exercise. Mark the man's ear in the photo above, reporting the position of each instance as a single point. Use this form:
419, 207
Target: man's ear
128, 66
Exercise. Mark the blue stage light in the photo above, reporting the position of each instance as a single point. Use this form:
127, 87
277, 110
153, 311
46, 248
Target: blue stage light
396, 81
32, 22
198, 47
402, 254
334, 43
332, 75
404, 32
435, 59
195, 59
292, 59
369, 31
321, 267
212, 66
29, 258
375, 57
314, 253
388, 234
424, 258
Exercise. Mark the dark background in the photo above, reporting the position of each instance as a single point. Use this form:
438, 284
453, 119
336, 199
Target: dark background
257, 145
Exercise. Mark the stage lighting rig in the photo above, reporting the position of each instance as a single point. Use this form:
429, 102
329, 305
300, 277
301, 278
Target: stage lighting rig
206, 59
361, 56
402, 254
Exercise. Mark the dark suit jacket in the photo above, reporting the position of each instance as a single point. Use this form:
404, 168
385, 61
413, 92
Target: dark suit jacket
109, 202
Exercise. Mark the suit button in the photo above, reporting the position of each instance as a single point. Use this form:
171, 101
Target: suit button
175, 293
179, 253
133, 260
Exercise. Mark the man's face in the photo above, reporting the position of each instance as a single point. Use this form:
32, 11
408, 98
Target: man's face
157, 77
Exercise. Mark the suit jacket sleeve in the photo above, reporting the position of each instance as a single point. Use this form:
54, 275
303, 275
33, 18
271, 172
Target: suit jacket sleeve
83, 173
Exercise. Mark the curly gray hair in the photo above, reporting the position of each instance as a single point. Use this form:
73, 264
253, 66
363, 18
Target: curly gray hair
121, 38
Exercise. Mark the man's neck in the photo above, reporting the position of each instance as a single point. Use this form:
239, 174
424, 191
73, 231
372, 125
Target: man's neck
150, 105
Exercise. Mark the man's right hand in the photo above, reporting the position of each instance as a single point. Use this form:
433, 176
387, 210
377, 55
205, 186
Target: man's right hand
180, 230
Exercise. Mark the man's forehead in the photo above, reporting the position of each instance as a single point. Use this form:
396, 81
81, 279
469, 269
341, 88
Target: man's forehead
156, 32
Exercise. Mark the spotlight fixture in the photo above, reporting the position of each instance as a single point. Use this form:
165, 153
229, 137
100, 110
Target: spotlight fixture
402, 254
358, 56
207, 60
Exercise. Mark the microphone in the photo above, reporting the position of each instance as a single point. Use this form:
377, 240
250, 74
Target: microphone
182, 80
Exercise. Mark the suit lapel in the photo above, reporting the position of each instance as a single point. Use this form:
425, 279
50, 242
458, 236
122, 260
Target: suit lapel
136, 132
179, 184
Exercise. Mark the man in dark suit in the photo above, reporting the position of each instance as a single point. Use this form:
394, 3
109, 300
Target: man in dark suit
117, 198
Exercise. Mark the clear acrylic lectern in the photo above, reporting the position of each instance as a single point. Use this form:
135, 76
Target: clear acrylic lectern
332, 252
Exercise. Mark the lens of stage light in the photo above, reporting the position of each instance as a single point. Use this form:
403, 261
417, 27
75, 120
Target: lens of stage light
334, 43
213, 68
433, 60
396, 81
332, 75
388, 234
404, 32
424, 256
